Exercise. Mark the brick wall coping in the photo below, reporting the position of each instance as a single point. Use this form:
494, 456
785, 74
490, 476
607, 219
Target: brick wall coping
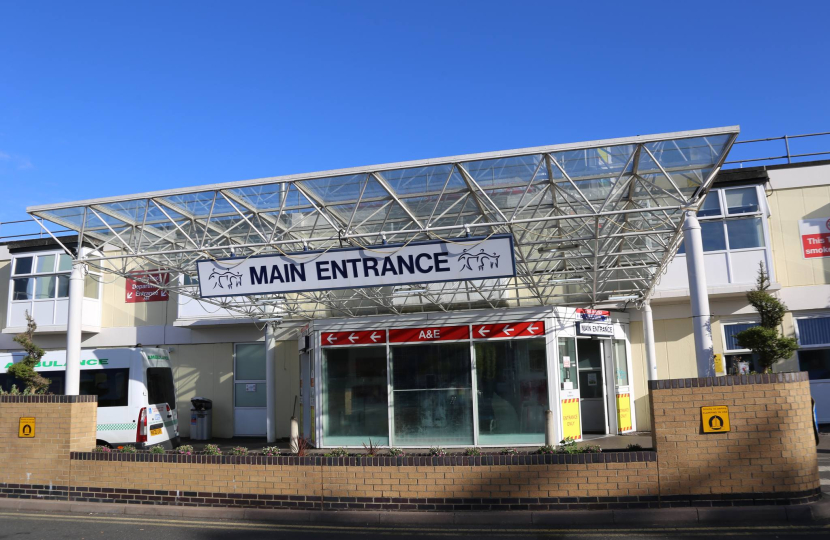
402, 461
48, 399
729, 380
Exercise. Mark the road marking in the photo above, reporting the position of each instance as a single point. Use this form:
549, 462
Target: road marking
407, 531
824, 469
825, 481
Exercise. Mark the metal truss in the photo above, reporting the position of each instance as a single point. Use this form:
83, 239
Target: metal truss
591, 222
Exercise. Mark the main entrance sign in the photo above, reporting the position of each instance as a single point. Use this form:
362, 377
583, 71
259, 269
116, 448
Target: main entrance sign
353, 268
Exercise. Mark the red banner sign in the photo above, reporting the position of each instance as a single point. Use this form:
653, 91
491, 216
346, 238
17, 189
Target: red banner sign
510, 330
363, 337
435, 333
593, 314
140, 292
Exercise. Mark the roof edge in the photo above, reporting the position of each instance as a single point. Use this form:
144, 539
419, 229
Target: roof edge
398, 165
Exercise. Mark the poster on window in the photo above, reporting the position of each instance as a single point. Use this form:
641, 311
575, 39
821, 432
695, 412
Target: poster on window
143, 288
624, 412
570, 419
815, 237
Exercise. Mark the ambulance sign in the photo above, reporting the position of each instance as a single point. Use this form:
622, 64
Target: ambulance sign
815, 237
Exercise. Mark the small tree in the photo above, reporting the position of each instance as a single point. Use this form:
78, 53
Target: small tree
33, 382
765, 340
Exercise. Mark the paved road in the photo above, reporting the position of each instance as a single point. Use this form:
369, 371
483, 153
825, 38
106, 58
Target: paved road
32, 526
824, 459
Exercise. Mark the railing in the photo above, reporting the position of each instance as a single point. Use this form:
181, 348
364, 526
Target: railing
789, 156
25, 229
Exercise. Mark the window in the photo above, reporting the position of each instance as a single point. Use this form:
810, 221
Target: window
742, 200
160, 387
512, 391
48, 277
620, 363
567, 364
355, 396
711, 205
814, 338
738, 360
745, 233
110, 385
432, 393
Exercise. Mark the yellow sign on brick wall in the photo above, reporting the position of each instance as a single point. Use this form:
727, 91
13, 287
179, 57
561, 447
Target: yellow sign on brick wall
26, 428
715, 419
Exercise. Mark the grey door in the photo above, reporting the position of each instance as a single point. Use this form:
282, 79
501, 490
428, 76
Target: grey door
591, 385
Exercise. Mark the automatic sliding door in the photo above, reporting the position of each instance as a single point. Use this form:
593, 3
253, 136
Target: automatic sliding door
432, 394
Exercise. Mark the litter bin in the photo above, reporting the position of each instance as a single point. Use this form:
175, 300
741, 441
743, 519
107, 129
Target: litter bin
201, 418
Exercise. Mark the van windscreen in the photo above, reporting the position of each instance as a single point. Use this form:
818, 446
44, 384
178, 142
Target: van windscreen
110, 385
160, 386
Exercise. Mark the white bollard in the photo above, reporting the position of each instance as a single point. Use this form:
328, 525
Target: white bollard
294, 444
550, 438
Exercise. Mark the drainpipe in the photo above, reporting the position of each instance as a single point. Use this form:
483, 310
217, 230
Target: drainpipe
270, 382
701, 315
72, 386
648, 338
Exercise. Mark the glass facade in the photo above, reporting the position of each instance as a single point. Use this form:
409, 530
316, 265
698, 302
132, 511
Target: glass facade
457, 393
512, 391
355, 407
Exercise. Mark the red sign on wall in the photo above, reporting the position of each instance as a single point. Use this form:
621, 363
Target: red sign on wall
140, 292
434, 333
364, 337
510, 330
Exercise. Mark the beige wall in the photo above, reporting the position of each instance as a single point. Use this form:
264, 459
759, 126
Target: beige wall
207, 371
116, 312
787, 207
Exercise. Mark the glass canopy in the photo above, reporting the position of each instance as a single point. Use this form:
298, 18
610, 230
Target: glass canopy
593, 223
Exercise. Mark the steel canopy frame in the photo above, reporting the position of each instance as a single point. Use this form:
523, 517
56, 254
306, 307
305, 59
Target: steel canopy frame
591, 221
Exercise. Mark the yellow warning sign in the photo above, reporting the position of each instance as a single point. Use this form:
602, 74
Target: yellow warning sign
715, 419
624, 412
720, 365
570, 419
27, 428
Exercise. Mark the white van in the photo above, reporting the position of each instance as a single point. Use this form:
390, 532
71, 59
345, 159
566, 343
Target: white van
136, 396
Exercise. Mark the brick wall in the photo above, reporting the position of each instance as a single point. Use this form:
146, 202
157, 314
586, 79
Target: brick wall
624, 479
770, 452
63, 424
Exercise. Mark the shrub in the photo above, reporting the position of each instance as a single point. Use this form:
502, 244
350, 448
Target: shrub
212, 450
337, 452
633, 447
568, 446
473, 452
396, 452
238, 451
437, 451
372, 449
547, 449
102, 449
303, 445
33, 382
127, 449
157, 450
271, 451
509, 452
590, 449
185, 450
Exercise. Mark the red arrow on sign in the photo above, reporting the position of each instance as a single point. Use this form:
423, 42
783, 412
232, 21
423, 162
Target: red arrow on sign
494, 331
345, 339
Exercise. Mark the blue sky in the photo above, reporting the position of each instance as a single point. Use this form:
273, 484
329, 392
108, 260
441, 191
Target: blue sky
110, 98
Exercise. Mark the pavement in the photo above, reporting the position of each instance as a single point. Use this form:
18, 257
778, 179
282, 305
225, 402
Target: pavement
823, 450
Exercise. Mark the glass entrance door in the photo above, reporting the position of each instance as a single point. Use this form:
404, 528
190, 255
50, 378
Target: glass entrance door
249, 397
591, 385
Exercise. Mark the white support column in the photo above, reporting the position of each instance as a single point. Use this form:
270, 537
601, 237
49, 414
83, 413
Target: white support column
648, 339
701, 315
72, 386
270, 382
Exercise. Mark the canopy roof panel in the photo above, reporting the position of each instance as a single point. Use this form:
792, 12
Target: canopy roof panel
592, 222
